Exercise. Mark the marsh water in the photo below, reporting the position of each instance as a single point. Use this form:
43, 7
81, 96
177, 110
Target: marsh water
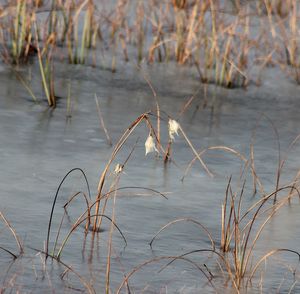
40, 145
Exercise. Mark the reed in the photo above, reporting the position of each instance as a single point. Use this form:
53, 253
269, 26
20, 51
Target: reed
108, 139
75, 56
276, 7
140, 30
45, 60
240, 239
142, 118
86, 38
15, 235
26, 85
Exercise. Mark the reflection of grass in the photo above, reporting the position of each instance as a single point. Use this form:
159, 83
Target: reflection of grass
205, 34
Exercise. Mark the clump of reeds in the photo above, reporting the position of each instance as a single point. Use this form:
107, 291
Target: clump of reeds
238, 237
198, 33
17, 31
226, 48
240, 232
80, 30
280, 35
202, 37
290, 34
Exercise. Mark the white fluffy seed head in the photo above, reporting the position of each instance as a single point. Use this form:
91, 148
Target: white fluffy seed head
150, 145
173, 128
118, 169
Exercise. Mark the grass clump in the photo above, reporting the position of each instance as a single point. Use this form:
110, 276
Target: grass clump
220, 40
235, 259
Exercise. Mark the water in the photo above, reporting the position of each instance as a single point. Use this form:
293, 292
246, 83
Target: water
39, 146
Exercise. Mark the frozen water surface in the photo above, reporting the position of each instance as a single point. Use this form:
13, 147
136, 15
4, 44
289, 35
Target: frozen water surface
39, 146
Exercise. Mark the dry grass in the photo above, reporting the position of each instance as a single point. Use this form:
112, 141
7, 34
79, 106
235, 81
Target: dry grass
236, 257
16, 237
220, 43
202, 34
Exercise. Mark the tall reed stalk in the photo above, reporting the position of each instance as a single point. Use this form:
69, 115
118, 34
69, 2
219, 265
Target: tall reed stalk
45, 59
20, 32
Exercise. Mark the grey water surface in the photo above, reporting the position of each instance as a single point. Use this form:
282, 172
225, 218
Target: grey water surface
39, 145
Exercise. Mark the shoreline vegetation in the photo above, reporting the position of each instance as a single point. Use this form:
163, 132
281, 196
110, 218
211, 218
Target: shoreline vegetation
222, 41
